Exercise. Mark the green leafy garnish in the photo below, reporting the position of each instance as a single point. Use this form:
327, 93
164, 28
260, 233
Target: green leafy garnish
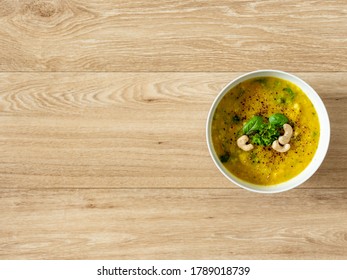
236, 119
290, 93
261, 81
286, 96
253, 125
281, 100
224, 158
264, 134
278, 119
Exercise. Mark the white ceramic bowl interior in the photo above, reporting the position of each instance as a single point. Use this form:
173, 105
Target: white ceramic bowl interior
322, 145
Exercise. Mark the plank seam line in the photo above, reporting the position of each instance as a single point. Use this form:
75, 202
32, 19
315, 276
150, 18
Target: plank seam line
230, 189
192, 72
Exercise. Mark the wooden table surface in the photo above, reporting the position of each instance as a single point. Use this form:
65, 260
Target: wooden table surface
103, 106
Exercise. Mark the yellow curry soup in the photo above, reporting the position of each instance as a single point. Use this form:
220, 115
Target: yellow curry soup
264, 97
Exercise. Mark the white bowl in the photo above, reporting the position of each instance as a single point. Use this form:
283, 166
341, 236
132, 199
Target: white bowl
323, 140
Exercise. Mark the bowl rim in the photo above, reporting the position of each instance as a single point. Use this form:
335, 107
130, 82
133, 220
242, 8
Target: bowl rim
323, 144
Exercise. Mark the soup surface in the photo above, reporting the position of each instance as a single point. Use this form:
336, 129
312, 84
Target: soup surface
264, 97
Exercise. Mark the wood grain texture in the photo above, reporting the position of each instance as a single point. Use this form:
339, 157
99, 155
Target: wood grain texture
130, 130
103, 106
110, 35
172, 224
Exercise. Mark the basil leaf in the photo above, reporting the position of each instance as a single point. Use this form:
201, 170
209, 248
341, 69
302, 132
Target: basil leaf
253, 125
278, 119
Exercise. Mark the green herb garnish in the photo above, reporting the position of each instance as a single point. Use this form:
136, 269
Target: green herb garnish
278, 119
290, 93
264, 134
236, 119
253, 125
286, 96
261, 81
224, 158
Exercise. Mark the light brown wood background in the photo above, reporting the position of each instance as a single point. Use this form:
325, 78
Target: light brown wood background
103, 107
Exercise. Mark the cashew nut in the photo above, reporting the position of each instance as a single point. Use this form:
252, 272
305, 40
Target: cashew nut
288, 132
279, 148
241, 143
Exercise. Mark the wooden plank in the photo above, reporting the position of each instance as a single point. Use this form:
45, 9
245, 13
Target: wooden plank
130, 130
172, 224
109, 35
